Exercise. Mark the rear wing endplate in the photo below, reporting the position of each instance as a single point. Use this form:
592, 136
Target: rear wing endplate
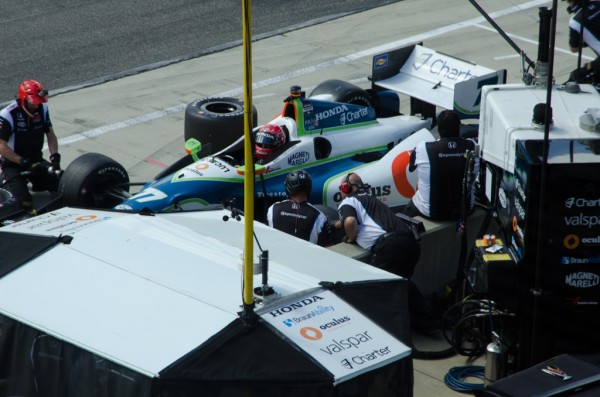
434, 78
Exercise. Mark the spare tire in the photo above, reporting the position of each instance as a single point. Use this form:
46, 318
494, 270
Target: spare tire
93, 180
217, 121
342, 91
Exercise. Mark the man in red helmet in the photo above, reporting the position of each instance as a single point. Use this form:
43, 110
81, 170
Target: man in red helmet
23, 125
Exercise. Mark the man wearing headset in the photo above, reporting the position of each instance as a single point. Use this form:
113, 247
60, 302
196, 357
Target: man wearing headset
296, 216
372, 225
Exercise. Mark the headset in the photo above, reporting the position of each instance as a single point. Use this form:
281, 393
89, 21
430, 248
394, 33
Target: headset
346, 186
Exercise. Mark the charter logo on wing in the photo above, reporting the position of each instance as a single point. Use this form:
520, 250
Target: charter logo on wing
422, 60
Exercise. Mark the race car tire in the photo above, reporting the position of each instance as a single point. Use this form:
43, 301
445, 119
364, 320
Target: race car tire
8, 204
216, 120
87, 180
342, 91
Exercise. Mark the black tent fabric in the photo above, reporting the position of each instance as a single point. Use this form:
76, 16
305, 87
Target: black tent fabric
17, 249
239, 356
37, 364
256, 361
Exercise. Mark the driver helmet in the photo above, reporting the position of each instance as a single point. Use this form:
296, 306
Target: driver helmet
297, 182
269, 138
32, 92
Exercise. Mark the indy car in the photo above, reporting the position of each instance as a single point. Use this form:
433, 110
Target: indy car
337, 129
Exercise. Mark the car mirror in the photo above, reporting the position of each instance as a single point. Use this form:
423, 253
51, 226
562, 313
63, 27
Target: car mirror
193, 147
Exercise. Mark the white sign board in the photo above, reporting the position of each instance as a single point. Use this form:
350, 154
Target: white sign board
335, 334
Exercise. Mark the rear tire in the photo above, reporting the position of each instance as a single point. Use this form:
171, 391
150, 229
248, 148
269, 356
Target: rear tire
88, 179
217, 121
342, 91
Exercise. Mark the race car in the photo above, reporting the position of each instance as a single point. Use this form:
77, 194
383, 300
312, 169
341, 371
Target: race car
337, 129
325, 138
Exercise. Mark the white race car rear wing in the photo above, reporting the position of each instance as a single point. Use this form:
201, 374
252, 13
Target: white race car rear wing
434, 78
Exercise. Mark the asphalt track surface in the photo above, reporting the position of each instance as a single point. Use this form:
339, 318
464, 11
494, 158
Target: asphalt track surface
73, 43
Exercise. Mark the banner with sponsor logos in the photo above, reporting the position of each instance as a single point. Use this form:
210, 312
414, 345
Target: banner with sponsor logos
335, 334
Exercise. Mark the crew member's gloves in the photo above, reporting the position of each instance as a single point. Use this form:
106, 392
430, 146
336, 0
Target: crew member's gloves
55, 160
25, 163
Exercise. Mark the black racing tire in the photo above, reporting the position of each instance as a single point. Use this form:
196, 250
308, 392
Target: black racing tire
216, 120
88, 179
8, 204
342, 91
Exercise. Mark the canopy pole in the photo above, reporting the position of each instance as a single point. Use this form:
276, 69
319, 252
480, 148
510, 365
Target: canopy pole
248, 314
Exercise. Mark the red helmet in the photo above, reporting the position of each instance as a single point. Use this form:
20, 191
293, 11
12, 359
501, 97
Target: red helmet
32, 92
268, 139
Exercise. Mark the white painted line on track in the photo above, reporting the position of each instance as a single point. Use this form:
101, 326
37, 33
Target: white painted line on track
526, 40
301, 72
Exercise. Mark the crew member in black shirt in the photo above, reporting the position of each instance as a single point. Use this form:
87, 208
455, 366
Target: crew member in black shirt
24, 124
372, 225
440, 169
296, 216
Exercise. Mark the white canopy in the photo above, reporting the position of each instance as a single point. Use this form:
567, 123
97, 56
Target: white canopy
145, 290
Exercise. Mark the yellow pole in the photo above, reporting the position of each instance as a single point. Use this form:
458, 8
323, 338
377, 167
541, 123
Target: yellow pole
248, 161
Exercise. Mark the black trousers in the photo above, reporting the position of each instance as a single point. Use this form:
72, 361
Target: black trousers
17, 184
399, 254
396, 253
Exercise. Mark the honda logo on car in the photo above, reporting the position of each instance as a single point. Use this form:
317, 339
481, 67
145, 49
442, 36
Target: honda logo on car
296, 305
345, 114
582, 280
582, 202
